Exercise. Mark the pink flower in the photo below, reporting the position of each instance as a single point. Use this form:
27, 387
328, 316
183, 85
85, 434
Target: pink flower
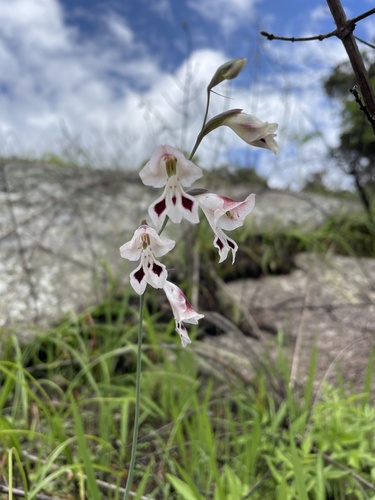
252, 130
168, 167
182, 311
224, 213
145, 245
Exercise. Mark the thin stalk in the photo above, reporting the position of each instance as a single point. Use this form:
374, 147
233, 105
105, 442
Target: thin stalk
207, 106
10, 458
199, 138
129, 481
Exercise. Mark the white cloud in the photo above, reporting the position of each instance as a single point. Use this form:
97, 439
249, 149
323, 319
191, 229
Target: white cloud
48, 77
319, 13
35, 22
163, 8
60, 92
229, 15
120, 29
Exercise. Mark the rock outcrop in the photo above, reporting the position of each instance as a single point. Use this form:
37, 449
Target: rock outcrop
61, 228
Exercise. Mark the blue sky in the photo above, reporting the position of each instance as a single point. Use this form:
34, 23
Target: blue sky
106, 81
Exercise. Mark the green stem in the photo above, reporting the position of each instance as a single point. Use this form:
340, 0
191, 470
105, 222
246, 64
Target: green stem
129, 482
207, 106
199, 138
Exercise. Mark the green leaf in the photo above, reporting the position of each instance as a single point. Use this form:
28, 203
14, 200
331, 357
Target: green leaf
298, 470
182, 488
85, 453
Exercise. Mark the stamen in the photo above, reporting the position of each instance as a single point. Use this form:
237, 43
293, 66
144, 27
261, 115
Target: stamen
170, 165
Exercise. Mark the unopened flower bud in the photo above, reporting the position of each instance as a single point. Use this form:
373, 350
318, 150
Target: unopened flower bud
227, 71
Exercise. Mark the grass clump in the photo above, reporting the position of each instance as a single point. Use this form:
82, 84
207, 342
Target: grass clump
67, 400
66, 409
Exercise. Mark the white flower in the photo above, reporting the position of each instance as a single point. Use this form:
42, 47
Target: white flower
182, 311
253, 131
145, 245
168, 167
224, 213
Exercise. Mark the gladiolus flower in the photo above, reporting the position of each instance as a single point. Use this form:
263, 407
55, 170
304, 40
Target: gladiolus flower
253, 131
168, 167
145, 245
224, 213
182, 311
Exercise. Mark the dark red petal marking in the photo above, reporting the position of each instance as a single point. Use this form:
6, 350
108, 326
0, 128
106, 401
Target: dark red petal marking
187, 203
160, 207
139, 275
219, 243
231, 244
156, 269
174, 200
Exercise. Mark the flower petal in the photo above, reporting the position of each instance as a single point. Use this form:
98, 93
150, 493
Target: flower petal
224, 213
267, 142
253, 131
144, 237
159, 245
157, 274
184, 336
175, 203
145, 244
132, 250
154, 173
224, 244
182, 310
138, 279
233, 214
149, 271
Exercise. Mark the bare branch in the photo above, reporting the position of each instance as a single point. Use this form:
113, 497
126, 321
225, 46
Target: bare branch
347, 28
344, 31
362, 107
271, 36
363, 16
364, 42
354, 54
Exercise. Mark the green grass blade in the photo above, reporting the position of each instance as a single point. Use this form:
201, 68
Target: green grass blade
84, 453
184, 490
298, 470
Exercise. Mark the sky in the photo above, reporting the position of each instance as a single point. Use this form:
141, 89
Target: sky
103, 82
